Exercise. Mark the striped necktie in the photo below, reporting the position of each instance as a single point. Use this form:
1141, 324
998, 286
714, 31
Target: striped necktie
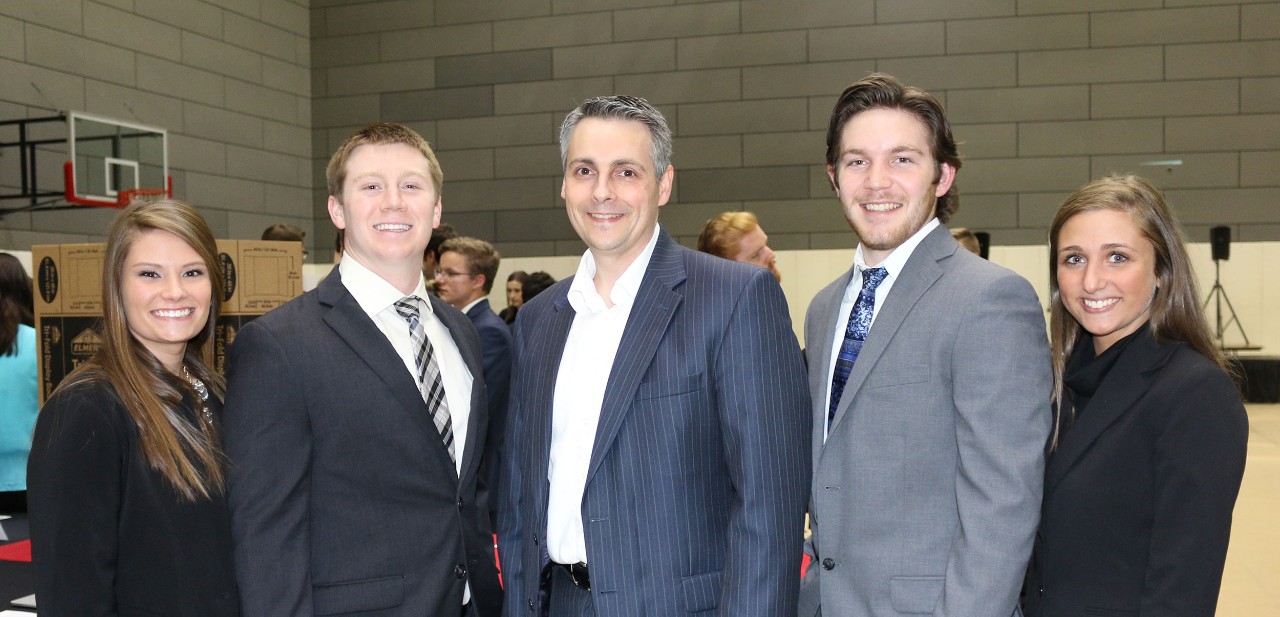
854, 334
429, 381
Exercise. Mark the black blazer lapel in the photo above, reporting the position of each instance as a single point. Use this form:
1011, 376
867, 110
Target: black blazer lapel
353, 325
1127, 382
654, 306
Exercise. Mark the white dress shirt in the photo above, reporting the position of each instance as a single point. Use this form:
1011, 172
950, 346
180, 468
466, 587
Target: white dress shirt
589, 352
378, 297
894, 263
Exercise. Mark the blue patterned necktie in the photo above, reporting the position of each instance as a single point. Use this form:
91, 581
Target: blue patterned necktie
854, 334
429, 381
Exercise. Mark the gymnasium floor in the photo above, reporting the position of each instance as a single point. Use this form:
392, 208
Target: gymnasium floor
1251, 583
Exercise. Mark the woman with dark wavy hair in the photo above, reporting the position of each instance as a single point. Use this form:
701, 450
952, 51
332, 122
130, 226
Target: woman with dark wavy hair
128, 514
1147, 456
18, 387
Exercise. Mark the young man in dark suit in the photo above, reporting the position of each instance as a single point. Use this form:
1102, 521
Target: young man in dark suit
658, 444
356, 417
467, 267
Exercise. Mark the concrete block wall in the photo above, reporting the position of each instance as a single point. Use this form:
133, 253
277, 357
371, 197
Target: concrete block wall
229, 80
1046, 94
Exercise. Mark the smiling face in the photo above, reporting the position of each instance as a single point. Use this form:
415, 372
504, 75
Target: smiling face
167, 293
611, 190
1106, 272
887, 179
387, 211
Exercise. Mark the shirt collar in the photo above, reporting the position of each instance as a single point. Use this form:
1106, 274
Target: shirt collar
373, 293
897, 259
473, 303
582, 290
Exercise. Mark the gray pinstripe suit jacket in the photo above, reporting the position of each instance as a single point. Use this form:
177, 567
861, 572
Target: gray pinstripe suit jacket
926, 492
696, 487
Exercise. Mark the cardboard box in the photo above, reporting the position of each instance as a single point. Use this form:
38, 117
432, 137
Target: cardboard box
68, 278
257, 277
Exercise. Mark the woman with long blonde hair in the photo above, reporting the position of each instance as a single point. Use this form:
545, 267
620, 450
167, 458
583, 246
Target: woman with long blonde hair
128, 515
1148, 453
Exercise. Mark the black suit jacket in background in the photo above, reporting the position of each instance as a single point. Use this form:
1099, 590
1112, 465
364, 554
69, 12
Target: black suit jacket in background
495, 345
343, 498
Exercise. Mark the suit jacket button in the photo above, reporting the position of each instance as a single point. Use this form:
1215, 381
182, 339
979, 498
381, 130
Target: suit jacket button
535, 539
460, 571
459, 503
828, 564
530, 604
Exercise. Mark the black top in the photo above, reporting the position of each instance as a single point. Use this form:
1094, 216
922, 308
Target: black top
1139, 493
109, 534
1085, 372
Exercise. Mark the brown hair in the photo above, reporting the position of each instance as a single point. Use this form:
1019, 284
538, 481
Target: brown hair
881, 91
481, 258
1176, 314
722, 235
185, 453
379, 134
16, 303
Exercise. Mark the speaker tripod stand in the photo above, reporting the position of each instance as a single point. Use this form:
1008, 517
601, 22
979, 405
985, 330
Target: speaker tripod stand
1219, 294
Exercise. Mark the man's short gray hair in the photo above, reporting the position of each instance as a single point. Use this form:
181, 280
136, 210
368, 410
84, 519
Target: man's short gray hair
621, 107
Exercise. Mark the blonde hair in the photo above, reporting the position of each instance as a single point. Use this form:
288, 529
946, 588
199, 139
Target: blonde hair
187, 454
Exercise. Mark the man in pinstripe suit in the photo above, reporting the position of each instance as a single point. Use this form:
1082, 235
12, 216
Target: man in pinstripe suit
659, 419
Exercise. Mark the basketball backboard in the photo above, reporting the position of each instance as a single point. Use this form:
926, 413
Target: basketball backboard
114, 161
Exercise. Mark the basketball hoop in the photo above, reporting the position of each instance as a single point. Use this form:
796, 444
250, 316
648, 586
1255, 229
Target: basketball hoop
132, 195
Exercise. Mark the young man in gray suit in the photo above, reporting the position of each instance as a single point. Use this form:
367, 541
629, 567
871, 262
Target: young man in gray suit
929, 371
356, 417
658, 451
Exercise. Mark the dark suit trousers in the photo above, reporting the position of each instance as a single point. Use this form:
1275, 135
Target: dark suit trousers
567, 599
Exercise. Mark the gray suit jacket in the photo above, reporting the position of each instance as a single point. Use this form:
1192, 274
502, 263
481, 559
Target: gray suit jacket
343, 498
926, 493
694, 499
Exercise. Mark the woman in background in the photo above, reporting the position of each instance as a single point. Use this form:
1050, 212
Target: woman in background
515, 296
18, 387
1145, 464
128, 514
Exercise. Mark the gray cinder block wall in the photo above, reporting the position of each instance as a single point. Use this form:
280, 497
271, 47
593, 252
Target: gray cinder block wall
229, 80
1045, 95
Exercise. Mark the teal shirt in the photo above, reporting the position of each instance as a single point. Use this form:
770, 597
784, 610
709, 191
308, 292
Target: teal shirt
18, 408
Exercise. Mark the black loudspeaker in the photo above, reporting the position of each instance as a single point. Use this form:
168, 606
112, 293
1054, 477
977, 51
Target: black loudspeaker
1220, 240
984, 244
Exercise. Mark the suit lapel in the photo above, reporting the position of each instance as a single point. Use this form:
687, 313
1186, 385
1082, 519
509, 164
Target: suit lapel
353, 325
472, 357
546, 344
647, 323
921, 271
1127, 382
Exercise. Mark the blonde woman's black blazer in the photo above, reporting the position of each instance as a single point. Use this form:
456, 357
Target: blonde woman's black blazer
1139, 493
